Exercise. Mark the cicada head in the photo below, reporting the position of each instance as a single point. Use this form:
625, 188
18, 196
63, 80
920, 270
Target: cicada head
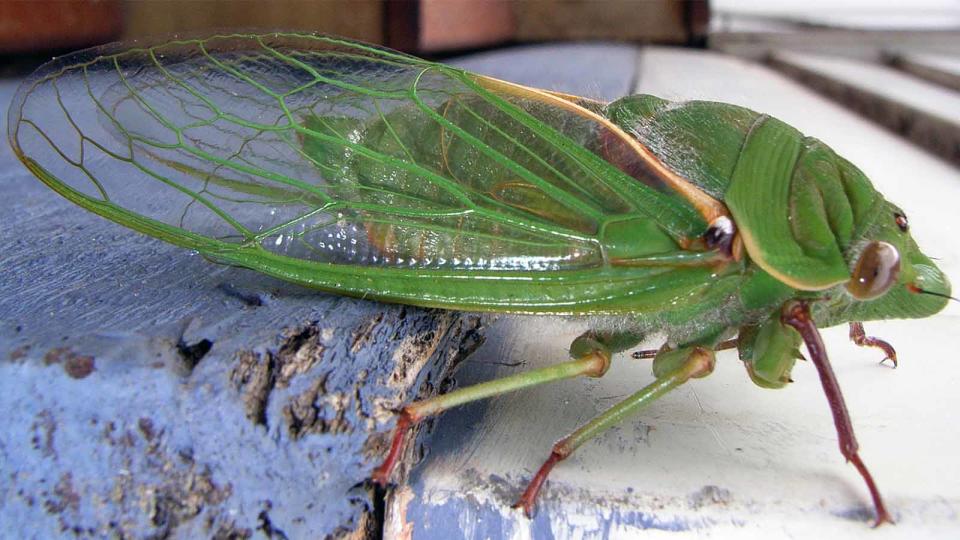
891, 277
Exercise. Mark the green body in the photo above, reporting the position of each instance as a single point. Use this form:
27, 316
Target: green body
366, 172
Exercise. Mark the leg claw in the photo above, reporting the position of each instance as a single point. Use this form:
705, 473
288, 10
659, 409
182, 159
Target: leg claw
859, 336
883, 518
529, 507
380, 476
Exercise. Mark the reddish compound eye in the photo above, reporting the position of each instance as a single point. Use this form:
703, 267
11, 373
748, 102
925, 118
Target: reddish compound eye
902, 221
876, 271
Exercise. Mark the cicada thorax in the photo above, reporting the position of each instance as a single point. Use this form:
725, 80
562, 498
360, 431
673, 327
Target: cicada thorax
700, 140
796, 204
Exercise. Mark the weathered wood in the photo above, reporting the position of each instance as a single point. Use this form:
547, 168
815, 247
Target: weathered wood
150, 393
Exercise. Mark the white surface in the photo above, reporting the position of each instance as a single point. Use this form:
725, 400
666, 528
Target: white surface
882, 80
948, 64
860, 14
772, 454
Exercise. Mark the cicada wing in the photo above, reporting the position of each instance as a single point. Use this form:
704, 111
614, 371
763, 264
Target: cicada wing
329, 151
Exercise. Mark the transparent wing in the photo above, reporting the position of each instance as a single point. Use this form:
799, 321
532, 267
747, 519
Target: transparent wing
293, 153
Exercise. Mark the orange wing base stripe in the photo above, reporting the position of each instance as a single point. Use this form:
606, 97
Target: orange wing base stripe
707, 206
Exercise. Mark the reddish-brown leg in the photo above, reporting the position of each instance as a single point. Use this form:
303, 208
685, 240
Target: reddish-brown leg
528, 500
696, 362
858, 336
652, 353
381, 475
797, 315
593, 361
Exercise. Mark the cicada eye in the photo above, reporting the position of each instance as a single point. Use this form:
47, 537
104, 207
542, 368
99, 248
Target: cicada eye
876, 271
901, 221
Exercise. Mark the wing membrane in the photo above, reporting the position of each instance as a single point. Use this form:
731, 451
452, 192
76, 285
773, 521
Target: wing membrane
323, 153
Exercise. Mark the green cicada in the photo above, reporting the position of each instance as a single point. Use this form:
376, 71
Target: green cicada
366, 172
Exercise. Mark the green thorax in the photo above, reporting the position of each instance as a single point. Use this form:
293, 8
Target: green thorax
797, 204
805, 213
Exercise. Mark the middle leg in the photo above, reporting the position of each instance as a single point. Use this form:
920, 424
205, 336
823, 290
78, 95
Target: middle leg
672, 368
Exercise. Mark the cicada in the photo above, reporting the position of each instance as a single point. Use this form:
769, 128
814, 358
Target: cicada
362, 171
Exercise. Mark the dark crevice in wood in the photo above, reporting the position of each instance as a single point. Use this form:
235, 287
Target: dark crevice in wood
192, 353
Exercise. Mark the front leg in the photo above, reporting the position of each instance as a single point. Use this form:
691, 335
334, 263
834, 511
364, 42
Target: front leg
797, 315
860, 337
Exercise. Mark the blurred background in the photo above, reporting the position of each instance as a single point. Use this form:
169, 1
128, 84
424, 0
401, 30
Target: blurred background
433, 27
420, 26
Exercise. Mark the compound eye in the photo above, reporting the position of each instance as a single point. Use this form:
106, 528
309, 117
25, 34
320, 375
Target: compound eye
876, 271
901, 222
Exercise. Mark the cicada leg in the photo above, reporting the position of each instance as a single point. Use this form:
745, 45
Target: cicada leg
858, 336
672, 368
797, 315
591, 355
652, 353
